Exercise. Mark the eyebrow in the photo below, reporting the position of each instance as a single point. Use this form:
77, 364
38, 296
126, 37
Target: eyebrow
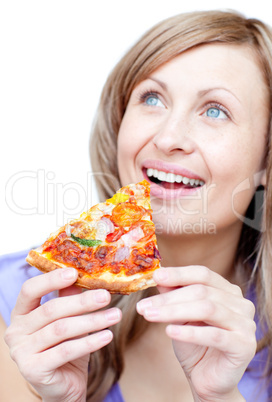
200, 93
161, 83
206, 91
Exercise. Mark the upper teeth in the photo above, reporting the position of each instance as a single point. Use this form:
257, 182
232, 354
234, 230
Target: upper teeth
172, 178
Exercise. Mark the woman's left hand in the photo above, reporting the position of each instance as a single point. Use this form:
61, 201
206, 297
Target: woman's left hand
211, 325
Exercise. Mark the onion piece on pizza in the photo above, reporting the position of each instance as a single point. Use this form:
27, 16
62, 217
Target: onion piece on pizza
113, 245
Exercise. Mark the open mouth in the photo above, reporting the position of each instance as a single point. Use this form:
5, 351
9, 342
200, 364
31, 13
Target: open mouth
172, 180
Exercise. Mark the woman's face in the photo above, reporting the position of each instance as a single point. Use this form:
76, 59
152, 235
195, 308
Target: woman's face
196, 130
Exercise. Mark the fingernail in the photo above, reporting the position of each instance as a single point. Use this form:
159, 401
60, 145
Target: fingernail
152, 312
101, 296
69, 273
143, 304
112, 315
161, 274
105, 336
173, 330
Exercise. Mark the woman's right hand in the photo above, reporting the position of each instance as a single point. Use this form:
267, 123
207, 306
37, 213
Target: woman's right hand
51, 343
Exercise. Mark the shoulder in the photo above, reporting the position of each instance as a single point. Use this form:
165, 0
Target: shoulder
114, 394
13, 263
253, 385
15, 270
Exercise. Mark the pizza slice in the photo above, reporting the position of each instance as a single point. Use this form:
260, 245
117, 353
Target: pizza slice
113, 245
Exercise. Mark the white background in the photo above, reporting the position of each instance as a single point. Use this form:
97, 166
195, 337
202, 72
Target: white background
55, 57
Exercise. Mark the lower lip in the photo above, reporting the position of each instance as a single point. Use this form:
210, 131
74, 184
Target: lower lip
169, 193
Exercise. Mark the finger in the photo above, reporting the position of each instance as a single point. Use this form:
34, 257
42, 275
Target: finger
163, 289
53, 358
33, 289
218, 338
74, 349
198, 292
203, 311
72, 327
55, 309
71, 290
194, 274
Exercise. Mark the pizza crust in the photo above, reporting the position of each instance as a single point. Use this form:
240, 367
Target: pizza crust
111, 282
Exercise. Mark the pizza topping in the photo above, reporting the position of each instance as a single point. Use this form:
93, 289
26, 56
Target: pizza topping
125, 214
109, 224
117, 198
143, 260
68, 230
101, 253
51, 244
115, 236
147, 227
96, 212
122, 253
103, 228
80, 229
157, 253
68, 245
86, 242
132, 237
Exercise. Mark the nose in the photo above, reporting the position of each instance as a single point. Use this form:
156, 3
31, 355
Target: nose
176, 134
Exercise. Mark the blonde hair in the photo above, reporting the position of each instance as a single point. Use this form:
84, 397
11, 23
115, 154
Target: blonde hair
162, 43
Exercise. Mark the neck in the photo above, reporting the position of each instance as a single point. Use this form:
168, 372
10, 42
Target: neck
215, 251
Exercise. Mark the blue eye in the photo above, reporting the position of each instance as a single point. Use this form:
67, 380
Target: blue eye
152, 100
216, 113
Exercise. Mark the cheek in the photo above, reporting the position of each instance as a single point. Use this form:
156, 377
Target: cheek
132, 138
126, 152
236, 178
238, 156
121, 157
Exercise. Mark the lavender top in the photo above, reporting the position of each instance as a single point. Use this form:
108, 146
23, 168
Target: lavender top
14, 271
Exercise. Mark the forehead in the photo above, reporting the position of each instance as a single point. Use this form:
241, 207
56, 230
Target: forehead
237, 66
214, 56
